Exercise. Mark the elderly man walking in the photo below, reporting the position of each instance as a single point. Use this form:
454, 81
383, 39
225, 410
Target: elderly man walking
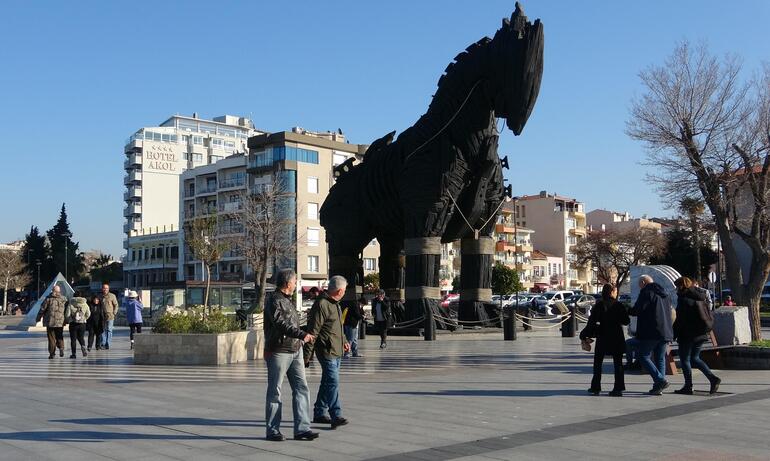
283, 349
109, 310
52, 314
325, 321
654, 330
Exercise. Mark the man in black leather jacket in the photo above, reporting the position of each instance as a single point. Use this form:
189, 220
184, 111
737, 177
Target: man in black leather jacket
283, 354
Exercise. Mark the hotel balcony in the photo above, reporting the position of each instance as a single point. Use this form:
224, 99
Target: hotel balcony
133, 144
132, 177
132, 160
230, 206
504, 229
207, 190
133, 225
132, 209
578, 231
133, 192
232, 183
504, 246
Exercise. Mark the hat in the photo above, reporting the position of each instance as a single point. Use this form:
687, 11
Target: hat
132, 294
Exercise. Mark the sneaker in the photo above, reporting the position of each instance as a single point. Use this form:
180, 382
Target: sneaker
307, 435
616, 393
85, 352
132, 345
714, 385
686, 390
357, 355
383, 345
336, 422
346, 356
276, 437
657, 388
322, 420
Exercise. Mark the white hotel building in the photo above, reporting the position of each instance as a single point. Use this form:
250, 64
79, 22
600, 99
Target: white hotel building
155, 158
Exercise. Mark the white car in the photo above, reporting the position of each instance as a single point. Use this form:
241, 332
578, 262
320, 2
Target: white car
546, 300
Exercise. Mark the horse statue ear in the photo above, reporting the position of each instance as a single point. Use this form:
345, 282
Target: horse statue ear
504, 162
508, 190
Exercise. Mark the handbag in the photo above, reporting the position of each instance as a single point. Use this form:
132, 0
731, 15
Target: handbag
586, 344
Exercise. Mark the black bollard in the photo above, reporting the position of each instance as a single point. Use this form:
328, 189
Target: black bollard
568, 327
362, 329
509, 326
429, 332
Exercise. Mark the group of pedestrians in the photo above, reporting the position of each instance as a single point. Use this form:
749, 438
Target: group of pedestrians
658, 324
95, 317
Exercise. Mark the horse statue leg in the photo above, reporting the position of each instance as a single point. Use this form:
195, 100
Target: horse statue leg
392, 263
477, 258
346, 260
423, 295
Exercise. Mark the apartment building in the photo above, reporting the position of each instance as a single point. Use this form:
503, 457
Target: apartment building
547, 271
513, 245
559, 223
155, 157
604, 220
306, 160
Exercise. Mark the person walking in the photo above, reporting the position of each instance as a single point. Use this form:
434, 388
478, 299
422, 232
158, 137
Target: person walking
283, 349
352, 321
382, 316
325, 322
691, 328
52, 314
133, 309
95, 324
77, 313
109, 310
653, 330
606, 325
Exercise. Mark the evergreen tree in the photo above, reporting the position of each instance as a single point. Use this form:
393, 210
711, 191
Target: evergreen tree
35, 249
63, 249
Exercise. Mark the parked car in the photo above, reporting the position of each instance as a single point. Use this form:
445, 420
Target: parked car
544, 305
583, 303
450, 298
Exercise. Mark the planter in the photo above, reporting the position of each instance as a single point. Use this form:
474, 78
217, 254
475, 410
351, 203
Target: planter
740, 358
198, 349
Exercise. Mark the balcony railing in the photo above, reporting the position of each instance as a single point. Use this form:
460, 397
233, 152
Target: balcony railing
231, 206
228, 183
208, 189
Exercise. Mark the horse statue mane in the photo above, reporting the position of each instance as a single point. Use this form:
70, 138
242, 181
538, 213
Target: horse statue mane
441, 179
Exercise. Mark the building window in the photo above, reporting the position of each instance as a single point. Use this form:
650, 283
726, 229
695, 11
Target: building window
198, 140
370, 264
215, 158
524, 211
312, 211
313, 236
312, 185
312, 263
198, 158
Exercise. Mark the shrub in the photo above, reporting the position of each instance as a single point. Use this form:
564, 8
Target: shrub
760, 343
196, 320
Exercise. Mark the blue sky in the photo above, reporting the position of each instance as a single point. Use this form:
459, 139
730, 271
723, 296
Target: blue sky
77, 78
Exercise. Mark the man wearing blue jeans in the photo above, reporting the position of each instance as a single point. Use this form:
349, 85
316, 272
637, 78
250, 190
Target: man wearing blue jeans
283, 354
325, 322
653, 330
109, 305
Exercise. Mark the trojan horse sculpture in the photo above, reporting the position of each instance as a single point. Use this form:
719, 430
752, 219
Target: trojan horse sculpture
441, 180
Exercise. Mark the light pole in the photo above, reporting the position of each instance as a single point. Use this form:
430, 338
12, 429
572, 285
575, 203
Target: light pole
67, 236
37, 263
163, 255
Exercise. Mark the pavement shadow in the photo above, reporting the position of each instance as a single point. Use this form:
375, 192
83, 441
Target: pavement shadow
494, 392
96, 436
162, 421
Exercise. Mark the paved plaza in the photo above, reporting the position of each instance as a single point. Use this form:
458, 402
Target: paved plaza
470, 396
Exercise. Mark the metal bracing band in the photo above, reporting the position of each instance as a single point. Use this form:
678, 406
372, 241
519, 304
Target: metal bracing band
423, 292
353, 295
395, 294
476, 294
422, 246
482, 246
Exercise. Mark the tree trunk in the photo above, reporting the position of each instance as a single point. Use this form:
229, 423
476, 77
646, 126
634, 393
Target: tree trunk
261, 289
4, 310
754, 319
208, 286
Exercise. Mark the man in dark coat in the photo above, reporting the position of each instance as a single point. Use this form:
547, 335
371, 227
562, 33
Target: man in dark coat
353, 319
283, 354
382, 316
654, 330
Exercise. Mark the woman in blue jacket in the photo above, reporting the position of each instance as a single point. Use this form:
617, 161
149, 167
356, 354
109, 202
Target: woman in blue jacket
133, 309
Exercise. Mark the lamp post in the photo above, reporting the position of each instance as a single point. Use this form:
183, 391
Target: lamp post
37, 263
67, 236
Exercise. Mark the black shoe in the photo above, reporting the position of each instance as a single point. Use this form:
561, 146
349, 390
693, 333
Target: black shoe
98, 348
383, 345
616, 393
657, 388
664, 385
714, 385
276, 437
322, 420
72, 356
594, 391
686, 390
358, 355
85, 352
50, 357
336, 422
61, 352
89, 349
307, 435
107, 346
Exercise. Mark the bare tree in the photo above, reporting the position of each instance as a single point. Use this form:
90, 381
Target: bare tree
13, 274
267, 219
707, 134
613, 252
693, 209
206, 246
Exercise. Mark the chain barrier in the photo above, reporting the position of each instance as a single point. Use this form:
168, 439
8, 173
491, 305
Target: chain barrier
408, 323
581, 318
563, 318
